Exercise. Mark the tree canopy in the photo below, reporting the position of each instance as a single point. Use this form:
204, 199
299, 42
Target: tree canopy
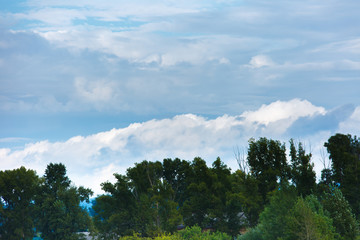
18, 190
278, 198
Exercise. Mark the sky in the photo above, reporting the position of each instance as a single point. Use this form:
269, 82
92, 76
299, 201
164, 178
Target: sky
100, 85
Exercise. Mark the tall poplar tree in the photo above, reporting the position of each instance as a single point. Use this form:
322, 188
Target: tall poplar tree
302, 173
268, 164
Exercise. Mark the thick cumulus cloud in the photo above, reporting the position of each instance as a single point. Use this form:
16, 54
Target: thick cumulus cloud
92, 159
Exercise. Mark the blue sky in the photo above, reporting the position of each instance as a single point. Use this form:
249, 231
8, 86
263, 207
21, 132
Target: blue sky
100, 85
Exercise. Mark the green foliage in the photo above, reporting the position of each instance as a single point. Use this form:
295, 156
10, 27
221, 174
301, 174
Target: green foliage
153, 198
194, 232
308, 221
344, 152
215, 201
17, 193
340, 211
289, 217
268, 164
115, 213
201, 199
302, 173
58, 206
243, 198
177, 173
274, 217
252, 234
144, 200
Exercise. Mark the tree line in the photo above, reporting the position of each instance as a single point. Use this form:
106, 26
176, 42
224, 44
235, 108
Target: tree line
274, 195
50, 204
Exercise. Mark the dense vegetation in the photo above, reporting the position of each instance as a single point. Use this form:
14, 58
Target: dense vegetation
49, 204
271, 196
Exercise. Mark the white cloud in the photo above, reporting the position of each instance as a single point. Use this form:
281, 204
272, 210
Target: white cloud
260, 61
184, 135
280, 110
92, 159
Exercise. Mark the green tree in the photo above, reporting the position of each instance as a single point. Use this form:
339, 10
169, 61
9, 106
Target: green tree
154, 196
59, 213
268, 164
302, 173
141, 202
344, 152
167, 215
200, 198
244, 199
273, 219
307, 221
340, 211
17, 193
215, 198
115, 212
225, 207
289, 217
176, 172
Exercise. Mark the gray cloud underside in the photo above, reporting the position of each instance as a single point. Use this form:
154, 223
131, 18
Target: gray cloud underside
37, 76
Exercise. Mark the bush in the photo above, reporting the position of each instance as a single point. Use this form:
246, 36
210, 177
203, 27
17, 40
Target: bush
252, 234
194, 232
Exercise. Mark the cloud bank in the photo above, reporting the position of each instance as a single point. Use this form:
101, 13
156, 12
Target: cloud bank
94, 158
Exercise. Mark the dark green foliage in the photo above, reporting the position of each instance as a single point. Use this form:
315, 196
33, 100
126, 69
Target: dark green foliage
115, 213
142, 202
201, 200
340, 211
268, 164
153, 198
176, 172
244, 198
149, 205
17, 193
273, 219
215, 202
344, 152
302, 173
59, 213
326, 178
156, 210
55, 178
